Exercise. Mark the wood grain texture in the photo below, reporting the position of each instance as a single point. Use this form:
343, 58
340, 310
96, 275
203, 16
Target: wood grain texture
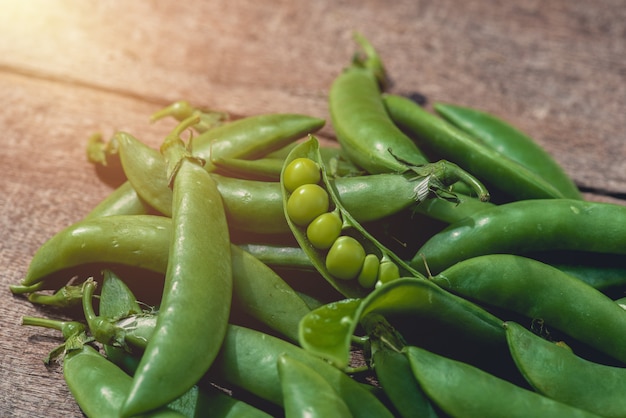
69, 68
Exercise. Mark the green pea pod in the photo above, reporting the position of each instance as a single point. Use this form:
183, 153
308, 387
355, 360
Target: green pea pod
462, 390
290, 257
349, 227
142, 241
510, 142
249, 137
528, 226
537, 290
253, 136
306, 393
393, 372
363, 128
198, 284
134, 240
99, 386
248, 360
264, 169
327, 331
558, 373
450, 212
455, 145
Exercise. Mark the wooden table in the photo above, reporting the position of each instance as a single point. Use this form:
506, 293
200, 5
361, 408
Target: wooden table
69, 68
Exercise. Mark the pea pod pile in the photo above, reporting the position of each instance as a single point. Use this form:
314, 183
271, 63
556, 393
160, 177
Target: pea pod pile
254, 270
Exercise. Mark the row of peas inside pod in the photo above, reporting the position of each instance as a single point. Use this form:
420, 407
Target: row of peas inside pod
343, 251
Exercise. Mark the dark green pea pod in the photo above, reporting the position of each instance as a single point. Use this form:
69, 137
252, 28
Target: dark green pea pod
537, 290
393, 370
99, 386
248, 360
349, 288
511, 143
290, 257
558, 373
479, 160
327, 331
462, 390
306, 393
528, 226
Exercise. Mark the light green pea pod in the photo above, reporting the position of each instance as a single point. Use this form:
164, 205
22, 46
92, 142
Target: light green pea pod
462, 390
558, 373
306, 394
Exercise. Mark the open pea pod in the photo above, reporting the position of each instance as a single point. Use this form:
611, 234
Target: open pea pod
344, 253
327, 331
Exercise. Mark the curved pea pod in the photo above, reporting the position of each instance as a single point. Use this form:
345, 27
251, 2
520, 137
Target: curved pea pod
462, 390
528, 226
510, 142
354, 238
248, 360
537, 290
363, 128
99, 386
254, 136
142, 241
306, 393
558, 373
450, 143
264, 169
327, 331
198, 284
134, 240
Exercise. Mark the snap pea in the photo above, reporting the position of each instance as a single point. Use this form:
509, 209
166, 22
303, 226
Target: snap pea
264, 169
558, 373
248, 360
510, 142
327, 331
363, 129
528, 226
393, 370
537, 290
134, 240
99, 386
486, 164
462, 390
290, 257
306, 393
198, 284
244, 137
343, 260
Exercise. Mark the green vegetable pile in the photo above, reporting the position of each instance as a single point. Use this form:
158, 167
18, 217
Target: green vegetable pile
250, 270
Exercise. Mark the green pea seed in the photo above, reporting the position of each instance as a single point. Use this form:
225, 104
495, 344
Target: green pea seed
306, 203
345, 258
369, 272
324, 230
388, 271
301, 171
